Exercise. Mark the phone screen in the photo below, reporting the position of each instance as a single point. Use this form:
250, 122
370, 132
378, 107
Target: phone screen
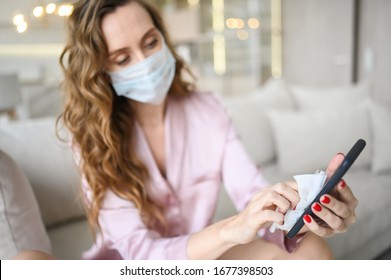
349, 159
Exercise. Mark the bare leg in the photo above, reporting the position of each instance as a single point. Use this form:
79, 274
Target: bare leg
311, 247
33, 255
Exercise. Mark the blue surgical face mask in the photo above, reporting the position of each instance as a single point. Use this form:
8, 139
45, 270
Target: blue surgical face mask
147, 81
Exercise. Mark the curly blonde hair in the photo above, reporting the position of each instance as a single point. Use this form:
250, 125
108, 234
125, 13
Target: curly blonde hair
100, 122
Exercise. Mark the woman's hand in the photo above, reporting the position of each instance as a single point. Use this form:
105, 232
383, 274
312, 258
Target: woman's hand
337, 210
260, 212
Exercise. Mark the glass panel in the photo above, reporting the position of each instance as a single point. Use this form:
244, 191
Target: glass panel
231, 49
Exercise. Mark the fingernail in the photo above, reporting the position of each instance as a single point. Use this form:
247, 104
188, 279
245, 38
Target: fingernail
317, 207
326, 199
341, 154
343, 183
307, 218
294, 208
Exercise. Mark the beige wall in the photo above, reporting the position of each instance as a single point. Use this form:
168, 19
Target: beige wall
375, 46
317, 41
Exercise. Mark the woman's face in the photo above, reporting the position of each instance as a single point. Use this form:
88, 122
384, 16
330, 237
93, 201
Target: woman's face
130, 36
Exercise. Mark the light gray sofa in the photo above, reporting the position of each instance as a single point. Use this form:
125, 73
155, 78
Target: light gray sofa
280, 134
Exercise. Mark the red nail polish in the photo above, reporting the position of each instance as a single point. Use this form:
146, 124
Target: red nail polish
294, 208
343, 183
307, 218
326, 200
317, 207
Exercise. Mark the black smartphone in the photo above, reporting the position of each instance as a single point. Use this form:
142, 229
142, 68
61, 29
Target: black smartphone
349, 159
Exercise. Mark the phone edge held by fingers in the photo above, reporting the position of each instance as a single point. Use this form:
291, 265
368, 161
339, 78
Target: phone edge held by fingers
348, 161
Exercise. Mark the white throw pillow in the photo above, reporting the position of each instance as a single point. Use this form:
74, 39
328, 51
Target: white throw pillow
248, 113
316, 98
381, 123
48, 164
21, 226
306, 141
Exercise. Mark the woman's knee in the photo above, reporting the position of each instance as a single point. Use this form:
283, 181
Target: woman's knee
33, 255
315, 248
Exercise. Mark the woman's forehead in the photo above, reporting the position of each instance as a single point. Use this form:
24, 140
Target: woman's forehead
129, 22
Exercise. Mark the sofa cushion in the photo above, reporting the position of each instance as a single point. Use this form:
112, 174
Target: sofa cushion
70, 240
306, 141
337, 97
248, 113
48, 164
374, 195
21, 225
381, 120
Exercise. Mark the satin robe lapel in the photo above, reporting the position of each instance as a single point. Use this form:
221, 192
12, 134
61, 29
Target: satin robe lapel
176, 141
157, 186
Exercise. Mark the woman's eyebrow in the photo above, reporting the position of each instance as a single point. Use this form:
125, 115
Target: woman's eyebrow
146, 34
149, 32
118, 51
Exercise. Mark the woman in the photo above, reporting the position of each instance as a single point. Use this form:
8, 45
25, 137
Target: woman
153, 152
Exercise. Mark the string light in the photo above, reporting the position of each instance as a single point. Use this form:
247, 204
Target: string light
22, 27
50, 8
253, 23
20, 23
18, 19
39, 12
65, 10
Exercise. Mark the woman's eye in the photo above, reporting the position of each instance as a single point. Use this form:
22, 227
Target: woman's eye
123, 61
152, 44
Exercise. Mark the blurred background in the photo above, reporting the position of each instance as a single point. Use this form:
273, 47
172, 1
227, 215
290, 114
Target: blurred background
233, 46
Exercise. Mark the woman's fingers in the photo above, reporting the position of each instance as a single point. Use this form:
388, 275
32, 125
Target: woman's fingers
346, 195
334, 164
344, 206
315, 228
337, 207
330, 218
288, 190
271, 200
262, 208
260, 212
337, 214
270, 216
282, 195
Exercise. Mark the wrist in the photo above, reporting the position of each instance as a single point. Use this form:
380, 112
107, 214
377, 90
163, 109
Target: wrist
211, 242
227, 231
